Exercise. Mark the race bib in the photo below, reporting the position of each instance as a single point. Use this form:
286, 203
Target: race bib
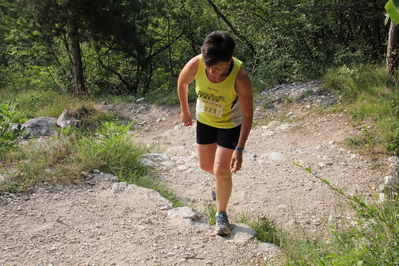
210, 108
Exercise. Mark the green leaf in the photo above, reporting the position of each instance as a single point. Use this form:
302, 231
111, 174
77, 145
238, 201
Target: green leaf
331, 255
356, 199
392, 7
326, 181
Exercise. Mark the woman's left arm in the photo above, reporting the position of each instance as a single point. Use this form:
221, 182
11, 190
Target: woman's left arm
243, 87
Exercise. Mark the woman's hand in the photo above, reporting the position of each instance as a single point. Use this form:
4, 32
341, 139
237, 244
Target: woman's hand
186, 119
236, 161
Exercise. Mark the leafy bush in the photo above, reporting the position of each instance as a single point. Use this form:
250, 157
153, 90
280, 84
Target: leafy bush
11, 132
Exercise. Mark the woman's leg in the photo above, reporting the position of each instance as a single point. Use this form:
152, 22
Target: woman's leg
206, 156
221, 170
216, 161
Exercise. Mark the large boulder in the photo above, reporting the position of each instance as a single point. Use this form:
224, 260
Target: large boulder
40, 126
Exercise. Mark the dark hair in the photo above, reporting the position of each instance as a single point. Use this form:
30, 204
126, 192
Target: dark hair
217, 46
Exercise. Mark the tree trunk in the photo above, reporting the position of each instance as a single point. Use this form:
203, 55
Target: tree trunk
392, 50
77, 60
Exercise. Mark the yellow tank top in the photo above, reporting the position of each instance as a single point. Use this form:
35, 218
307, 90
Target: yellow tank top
217, 103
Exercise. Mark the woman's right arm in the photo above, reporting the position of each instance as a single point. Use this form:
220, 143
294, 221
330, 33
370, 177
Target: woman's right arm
187, 75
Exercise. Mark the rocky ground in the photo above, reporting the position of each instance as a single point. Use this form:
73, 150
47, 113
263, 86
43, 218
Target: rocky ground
101, 223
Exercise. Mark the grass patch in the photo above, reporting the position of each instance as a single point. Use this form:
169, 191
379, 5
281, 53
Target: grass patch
169, 97
371, 98
99, 142
61, 160
372, 240
265, 227
210, 212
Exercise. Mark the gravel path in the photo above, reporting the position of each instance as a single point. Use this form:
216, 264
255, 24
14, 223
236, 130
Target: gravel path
90, 225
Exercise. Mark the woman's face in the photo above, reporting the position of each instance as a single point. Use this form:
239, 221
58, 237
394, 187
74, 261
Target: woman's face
219, 68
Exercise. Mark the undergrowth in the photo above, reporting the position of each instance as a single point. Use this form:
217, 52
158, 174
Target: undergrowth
372, 240
371, 98
60, 160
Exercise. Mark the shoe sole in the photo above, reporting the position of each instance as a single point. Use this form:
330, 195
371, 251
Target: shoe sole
223, 231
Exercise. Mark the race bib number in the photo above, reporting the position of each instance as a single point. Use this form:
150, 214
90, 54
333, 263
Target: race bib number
209, 107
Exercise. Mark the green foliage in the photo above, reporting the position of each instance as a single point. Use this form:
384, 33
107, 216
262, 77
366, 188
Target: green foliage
53, 162
355, 80
302, 40
62, 159
265, 227
371, 99
164, 97
366, 141
111, 151
170, 97
139, 47
114, 152
392, 7
11, 132
149, 181
8, 186
210, 212
34, 103
372, 241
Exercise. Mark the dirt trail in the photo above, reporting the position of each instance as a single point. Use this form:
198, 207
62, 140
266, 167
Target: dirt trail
270, 182
89, 225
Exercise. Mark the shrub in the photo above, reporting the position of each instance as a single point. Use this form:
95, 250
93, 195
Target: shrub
11, 132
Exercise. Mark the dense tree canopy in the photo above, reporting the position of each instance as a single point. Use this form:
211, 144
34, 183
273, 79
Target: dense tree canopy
137, 47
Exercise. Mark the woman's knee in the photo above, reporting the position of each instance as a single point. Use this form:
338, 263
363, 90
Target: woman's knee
206, 167
222, 172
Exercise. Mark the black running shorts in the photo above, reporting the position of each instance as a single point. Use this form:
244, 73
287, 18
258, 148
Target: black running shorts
227, 138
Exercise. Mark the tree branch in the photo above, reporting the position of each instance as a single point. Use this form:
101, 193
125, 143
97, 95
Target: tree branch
233, 29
